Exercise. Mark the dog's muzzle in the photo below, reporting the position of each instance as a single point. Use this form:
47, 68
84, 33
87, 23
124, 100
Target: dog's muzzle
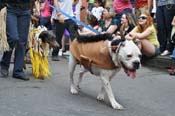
136, 64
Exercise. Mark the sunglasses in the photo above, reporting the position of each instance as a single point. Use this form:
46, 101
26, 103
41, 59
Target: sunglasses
142, 17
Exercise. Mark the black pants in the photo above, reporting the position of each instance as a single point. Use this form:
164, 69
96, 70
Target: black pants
68, 24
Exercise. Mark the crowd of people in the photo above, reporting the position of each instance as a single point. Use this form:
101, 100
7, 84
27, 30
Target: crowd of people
149, 23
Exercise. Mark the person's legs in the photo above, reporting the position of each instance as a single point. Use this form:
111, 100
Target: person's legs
59, 33
147, 48
23, 22
72, 28
12, 36
160, 19
169, 14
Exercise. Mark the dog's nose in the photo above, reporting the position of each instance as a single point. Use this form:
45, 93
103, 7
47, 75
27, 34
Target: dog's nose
136, 65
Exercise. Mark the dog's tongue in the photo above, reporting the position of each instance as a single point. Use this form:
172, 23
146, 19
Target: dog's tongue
131, 73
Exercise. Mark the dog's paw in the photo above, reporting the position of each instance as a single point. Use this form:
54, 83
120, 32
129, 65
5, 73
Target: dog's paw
74, 90
100, 97
117, 106
78, 87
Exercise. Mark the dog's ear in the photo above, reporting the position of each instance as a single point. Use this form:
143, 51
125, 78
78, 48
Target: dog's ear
115, 43
43, 35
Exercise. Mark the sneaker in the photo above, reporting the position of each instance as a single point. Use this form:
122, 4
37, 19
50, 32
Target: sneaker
55, 58
173, 55
3, 73
165, 53
63, 50
21, 76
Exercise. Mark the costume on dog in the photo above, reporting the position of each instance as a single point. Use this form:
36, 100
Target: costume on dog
94, 53
38, 54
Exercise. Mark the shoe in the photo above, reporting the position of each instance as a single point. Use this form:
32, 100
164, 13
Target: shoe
63, 50
55, 58
165, 53
173, 55
3, 73
21, 76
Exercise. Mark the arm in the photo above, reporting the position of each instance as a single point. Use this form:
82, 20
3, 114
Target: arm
113, 26
130, 35
149, 5
112, 29
86, 31
144, 34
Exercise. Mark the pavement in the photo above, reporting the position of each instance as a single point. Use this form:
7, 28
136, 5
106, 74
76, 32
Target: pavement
150, 94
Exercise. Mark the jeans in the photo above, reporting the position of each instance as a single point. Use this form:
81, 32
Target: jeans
46, 22
17, 28
164, 17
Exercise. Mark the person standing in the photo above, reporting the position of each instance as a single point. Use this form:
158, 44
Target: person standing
142, 6
164, 15
121, 7
62, 22
45, 14
17, 27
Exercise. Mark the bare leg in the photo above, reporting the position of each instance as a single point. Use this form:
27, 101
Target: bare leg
63, 43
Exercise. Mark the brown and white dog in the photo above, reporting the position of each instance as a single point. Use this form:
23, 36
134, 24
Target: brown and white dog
103, 57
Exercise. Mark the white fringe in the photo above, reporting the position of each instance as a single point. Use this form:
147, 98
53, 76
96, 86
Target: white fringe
4, 46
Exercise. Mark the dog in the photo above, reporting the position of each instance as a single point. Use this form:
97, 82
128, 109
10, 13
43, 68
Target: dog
40, 41
103, 56
40, 38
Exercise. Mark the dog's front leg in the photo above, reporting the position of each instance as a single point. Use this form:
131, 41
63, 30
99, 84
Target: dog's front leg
108, 89
72, 65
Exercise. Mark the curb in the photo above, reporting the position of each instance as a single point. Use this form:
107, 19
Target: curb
161, 62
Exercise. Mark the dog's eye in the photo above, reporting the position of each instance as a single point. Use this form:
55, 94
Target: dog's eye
129, 55
140, 56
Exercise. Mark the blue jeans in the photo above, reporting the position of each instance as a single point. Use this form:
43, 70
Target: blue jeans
46, 22
18, 22
164, 17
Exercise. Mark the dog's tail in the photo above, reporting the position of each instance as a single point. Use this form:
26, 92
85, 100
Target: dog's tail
94, 38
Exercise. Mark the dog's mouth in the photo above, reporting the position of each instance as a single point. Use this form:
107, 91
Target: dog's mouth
53, 44
130, 72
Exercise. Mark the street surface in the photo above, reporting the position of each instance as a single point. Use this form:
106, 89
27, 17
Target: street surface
152, 93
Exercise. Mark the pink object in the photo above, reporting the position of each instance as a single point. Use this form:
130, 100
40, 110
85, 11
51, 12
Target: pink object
46, 12
120, 5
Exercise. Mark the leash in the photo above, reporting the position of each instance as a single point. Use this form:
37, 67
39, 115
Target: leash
74, 19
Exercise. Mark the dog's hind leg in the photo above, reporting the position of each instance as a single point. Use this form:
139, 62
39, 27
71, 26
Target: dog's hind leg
80, 77
72, 65
101, 95
108, 89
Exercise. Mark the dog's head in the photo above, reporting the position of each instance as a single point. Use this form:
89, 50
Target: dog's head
48, 37
126, 54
